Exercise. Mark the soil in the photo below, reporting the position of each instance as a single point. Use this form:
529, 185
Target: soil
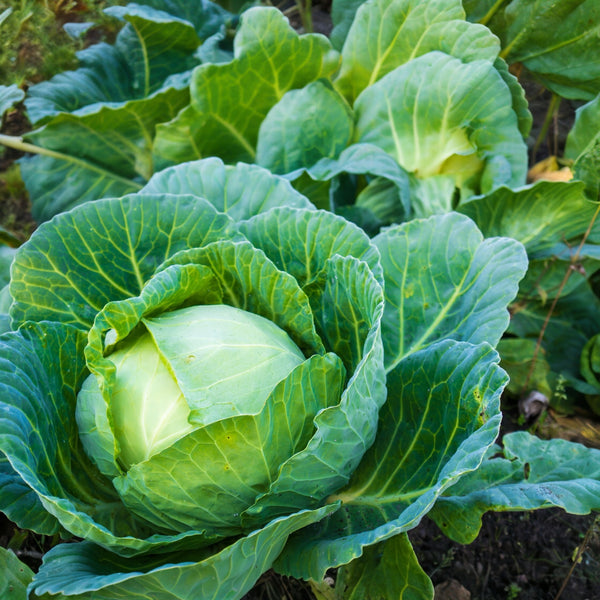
524, 556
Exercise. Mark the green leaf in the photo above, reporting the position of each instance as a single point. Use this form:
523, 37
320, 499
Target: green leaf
481, 10
241, 191
84, 571
520, 103
387, 570
350, 302
342, 15
21, 504
583, 146
98, 151
103, 251
370, 160
300, 242
441, 415
517, 358
159, 40
538, 215
229, 101
449, 118
575, 318
6, 257
388, 33
15, 576
431, 297
250, 281
303, 127
9, 96
545, 37
526, 473
584, 132
42, 367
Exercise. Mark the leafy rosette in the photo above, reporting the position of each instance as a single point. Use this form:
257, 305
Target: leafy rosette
211, 377
179, 379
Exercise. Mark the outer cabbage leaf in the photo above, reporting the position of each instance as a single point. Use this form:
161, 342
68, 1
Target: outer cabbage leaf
545, 37
387, 570
441, 415
538, 215
388, 33
437, 290
229, 101
526, 473
450, 121
14, 576
241, 191
99, 150
443, 395
158, 40
94, 254
85, 571
583, 146
282, 232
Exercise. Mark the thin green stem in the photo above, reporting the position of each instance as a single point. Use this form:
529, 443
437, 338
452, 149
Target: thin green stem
548, 120
305, 9
17, 143
490, 13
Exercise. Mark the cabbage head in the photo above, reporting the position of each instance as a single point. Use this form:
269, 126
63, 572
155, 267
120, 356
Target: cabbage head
210, 378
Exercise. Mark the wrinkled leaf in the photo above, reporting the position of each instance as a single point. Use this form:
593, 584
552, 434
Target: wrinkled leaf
241, 191
389, 33
450, 119
86, 571
158, 40
441, 415
97, 152
430, 298
526, 473
546, 36
229, 101
116, 244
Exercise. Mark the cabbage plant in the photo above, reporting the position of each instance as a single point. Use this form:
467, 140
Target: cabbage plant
211, 378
